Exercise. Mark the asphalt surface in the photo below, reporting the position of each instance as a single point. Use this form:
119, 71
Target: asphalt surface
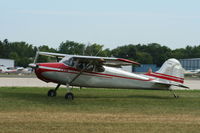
194, 84
23, 82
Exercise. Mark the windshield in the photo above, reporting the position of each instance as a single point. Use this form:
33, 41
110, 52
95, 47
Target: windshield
67, 61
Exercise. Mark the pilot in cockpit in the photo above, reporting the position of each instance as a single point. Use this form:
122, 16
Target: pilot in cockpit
96, 66
99, 66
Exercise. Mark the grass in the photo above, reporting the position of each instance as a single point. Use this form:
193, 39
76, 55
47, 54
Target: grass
98, 110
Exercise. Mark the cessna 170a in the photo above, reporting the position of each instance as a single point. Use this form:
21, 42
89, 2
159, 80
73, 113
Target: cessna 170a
104, 72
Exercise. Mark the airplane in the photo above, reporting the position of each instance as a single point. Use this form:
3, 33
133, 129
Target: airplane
104, 72
4, 69
18, 70
192, 72
24, 71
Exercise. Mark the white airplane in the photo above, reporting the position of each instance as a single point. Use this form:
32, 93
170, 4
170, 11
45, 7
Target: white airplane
4, 69
192, 72
24, 71
104, 72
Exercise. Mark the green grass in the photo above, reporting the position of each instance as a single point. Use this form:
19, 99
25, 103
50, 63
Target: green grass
98, 110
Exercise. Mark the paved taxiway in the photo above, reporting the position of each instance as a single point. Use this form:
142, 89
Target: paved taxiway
34, 82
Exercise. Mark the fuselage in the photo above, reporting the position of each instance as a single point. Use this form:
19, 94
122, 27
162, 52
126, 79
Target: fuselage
61, 73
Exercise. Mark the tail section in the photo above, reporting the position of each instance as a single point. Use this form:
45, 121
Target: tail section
170, 72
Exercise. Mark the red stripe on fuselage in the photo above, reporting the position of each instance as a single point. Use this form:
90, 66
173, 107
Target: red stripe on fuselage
67, 68
166, 77
169, 76
38, 73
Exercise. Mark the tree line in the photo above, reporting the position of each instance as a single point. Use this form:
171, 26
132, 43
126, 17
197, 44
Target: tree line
153, 53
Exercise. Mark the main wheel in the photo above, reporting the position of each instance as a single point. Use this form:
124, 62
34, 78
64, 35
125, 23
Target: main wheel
176, 96
69, 96
51, 93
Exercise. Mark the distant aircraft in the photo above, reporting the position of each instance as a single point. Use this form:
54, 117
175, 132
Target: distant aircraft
18, 70
104, 72
192, 72
27, 70
4, 69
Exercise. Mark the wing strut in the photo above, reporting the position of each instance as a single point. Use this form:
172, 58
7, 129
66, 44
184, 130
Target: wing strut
69, 95
79, 73
76, 77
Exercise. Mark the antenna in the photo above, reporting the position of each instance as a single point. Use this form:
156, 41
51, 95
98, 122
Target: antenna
98, 51
91, 49
84, 49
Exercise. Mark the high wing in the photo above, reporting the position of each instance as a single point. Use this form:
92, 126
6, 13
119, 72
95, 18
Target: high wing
52, 54
57, 55
108, 61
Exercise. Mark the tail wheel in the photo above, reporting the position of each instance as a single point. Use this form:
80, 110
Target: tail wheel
69, 96
51, 93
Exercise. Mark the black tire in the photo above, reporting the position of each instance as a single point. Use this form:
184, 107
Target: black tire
51, 93
177, 97
69, 96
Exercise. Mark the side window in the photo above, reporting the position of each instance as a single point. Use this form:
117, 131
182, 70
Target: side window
99, 69
85, 66
69, 62
90, 68
80, 66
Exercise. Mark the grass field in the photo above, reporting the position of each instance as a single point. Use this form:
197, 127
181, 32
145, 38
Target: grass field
98, 111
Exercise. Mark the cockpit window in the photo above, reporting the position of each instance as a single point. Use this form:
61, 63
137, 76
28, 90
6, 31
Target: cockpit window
99, 69
68, 61
84, 65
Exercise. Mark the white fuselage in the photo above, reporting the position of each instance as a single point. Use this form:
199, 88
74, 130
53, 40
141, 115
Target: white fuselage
110, 78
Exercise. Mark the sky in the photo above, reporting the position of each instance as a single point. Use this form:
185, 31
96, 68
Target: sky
113, 23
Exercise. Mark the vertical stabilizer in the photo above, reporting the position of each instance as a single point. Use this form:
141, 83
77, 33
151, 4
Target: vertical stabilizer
172, 67
171, 71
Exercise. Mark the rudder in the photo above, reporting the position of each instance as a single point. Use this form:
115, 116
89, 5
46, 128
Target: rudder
170, 71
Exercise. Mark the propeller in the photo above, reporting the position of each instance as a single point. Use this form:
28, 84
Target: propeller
34, 65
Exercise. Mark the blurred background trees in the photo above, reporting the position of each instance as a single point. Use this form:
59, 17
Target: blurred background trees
153, 53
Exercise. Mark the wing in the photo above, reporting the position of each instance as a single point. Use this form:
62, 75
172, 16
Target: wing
52, 54
57, 55
108, 61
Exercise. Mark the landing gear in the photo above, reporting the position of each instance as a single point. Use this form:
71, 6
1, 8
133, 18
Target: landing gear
175, 96
69, 96
52, 92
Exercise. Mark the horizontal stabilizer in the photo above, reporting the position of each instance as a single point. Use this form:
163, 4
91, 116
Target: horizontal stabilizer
172, 84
